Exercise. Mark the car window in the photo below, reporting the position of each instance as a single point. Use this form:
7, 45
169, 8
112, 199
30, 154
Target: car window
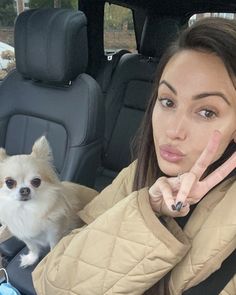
7, 18
118, 28
195, 17
9, 9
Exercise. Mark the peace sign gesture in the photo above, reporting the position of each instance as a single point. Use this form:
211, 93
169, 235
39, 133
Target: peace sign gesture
173, 196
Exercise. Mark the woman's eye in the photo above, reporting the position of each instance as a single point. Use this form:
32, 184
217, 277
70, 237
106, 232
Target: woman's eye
207, 114
36, 182
166, 102
10, 183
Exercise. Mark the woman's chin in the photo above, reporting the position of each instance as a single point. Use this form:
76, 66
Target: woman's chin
171, 169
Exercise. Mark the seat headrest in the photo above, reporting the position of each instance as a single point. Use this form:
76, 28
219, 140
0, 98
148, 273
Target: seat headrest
157, 34
51, 44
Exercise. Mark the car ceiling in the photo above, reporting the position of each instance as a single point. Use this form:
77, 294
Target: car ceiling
178, 7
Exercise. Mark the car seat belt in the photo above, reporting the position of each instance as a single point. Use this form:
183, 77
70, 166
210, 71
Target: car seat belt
110, 65
217, 281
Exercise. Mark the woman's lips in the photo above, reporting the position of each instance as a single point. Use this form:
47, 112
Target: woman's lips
171, 154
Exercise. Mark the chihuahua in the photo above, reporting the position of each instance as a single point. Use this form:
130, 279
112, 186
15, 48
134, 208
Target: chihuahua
35, 205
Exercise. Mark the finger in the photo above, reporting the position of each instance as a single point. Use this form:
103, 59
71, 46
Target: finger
154, 190
207, 155
183, 211
185, 187
163, 190
219, 174
174, 182
167, 195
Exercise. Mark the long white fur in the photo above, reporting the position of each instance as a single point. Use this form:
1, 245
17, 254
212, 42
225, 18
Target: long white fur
52, 210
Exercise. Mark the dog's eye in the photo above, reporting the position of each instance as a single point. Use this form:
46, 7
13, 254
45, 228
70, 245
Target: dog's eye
10, 183
36, 182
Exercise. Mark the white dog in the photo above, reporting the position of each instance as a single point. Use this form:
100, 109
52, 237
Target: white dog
36, 207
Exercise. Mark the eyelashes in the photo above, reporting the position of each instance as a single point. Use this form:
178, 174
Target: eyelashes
166, 102
206, 112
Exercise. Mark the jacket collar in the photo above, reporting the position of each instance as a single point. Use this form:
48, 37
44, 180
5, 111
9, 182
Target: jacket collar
212, 233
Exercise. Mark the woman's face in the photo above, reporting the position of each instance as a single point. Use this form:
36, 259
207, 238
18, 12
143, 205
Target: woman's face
195, 97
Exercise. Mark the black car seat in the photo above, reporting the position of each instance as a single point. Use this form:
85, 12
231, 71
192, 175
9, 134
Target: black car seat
107, 68
49, 93
128, 95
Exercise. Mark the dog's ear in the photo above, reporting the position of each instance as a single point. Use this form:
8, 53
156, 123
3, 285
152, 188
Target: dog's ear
41, 149
3, 154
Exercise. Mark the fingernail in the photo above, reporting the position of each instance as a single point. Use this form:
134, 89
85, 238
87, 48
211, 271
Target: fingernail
173, 207
179, 206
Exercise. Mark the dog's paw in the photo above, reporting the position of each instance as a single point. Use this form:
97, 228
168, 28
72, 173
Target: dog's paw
27, 260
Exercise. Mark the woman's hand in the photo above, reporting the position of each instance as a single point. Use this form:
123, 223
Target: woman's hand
172, 196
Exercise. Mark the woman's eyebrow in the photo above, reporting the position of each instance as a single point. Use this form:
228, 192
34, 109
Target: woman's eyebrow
168, 85
206, 94
200, 95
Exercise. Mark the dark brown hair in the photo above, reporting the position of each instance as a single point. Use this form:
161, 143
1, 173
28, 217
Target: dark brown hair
211, 35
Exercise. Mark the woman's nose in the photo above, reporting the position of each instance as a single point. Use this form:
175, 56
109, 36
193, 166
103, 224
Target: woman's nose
177, 128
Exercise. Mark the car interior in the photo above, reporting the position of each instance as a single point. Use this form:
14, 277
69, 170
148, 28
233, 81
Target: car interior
88, 100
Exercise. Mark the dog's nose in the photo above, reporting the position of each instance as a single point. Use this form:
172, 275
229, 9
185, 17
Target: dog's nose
24, 191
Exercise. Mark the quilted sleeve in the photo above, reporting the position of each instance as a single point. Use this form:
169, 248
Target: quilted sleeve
230, 288
124, 251
112, 194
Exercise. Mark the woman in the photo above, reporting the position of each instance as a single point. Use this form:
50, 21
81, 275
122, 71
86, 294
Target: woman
167, 223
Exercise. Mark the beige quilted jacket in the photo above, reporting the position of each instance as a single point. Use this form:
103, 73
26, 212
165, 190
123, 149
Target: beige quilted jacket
125, 249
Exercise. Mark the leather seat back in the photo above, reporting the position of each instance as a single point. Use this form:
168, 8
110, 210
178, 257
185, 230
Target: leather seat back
129, 93
49, 93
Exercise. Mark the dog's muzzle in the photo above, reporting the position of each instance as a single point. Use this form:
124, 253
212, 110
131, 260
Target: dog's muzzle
25, 194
